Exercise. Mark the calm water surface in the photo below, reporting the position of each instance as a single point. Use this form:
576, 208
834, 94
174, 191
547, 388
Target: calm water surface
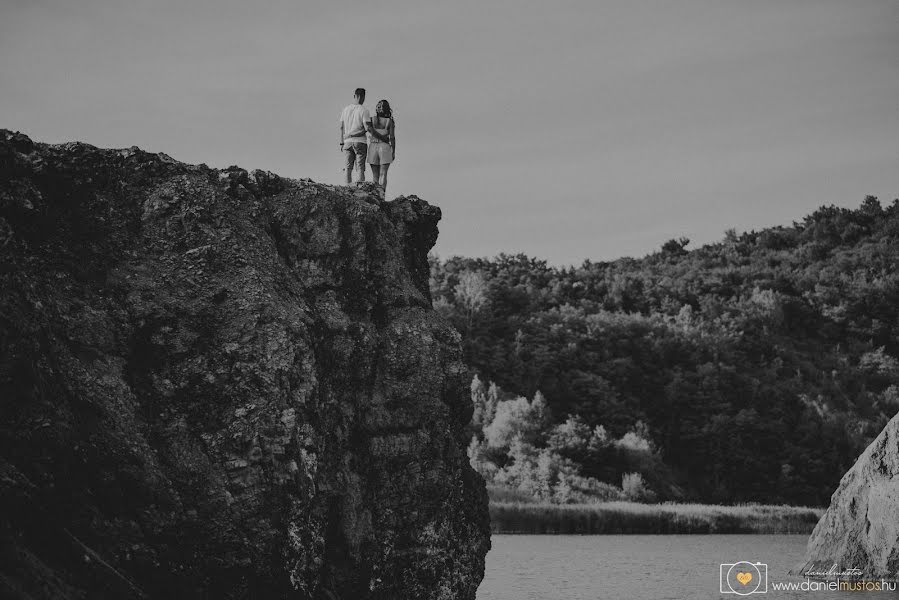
632, 567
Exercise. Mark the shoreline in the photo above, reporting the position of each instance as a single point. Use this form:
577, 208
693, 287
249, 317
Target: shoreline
632, 518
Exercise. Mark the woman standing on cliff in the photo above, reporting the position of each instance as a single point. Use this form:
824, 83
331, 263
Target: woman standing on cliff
382, 149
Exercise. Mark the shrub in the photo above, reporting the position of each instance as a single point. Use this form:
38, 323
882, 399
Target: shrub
635, 489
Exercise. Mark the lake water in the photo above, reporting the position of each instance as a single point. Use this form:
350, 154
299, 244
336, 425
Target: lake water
633, 567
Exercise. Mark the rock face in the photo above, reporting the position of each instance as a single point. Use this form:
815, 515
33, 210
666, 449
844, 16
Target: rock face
860, 529
221, 384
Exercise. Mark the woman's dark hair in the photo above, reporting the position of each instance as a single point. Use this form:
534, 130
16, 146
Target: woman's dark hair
382, 109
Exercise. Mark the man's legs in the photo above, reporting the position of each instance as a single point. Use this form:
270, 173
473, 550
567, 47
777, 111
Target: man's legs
349, 159
361, 154
375, 173
354, 155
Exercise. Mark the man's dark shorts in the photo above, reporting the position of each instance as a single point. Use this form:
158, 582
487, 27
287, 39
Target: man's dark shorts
355, 153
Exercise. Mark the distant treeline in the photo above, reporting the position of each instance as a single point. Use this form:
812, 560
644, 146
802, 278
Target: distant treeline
755, 369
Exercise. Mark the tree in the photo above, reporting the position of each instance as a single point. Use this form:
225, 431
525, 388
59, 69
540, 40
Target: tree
880, 363
479, 401
599, 439
635, 489
471, 294
547, 474
573, 436
491, 404
518, 419
513, 420
675, 247
539, 412
637, 439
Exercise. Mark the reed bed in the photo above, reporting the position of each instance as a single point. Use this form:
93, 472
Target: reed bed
621, 517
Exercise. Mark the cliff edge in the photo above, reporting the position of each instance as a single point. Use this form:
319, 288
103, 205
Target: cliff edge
222, 384
860, 529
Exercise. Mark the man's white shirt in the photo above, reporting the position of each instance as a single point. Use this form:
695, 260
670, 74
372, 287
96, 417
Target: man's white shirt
354, 117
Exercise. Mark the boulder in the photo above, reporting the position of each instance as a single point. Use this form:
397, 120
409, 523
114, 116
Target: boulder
860, 529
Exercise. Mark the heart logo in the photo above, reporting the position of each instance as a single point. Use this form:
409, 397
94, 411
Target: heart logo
744, 577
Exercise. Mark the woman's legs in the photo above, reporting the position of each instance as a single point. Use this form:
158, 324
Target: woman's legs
382, 177
375, 173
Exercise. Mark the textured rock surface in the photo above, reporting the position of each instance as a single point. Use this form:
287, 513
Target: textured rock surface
221, 384
860, 529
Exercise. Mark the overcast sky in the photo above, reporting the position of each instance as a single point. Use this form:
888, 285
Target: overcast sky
566, 130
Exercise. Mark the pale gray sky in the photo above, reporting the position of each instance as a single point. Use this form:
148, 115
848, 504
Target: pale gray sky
566, 130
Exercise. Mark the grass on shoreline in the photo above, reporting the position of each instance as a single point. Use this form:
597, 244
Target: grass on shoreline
619, 517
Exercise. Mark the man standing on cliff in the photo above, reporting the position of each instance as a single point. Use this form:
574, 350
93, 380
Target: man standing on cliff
355, 120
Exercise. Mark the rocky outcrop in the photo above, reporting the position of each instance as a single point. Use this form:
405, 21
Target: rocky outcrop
222, 384
860, 529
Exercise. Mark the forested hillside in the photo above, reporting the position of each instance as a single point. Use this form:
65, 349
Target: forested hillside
756, 368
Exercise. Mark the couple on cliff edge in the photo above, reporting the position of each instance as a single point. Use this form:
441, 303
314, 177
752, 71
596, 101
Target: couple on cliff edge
365, 138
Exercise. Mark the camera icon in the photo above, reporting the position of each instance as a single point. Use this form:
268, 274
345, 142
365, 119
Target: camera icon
743, 578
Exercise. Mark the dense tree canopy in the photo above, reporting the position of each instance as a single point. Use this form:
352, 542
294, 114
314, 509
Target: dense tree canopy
760, 366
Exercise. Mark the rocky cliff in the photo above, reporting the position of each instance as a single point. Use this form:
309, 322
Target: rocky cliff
860, 529
222, 384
